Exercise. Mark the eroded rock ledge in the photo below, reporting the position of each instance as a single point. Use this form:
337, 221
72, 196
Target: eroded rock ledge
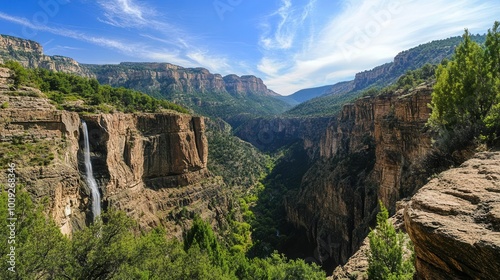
454, 222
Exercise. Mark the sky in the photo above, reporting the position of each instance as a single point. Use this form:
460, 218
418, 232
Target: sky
290, 44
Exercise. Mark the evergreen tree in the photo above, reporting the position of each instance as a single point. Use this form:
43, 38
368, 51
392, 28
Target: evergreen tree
467, 88
386, 257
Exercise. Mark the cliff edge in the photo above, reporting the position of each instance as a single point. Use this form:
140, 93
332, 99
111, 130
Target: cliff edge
454, 222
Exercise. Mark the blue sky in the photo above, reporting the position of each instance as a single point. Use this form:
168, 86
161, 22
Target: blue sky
290, 44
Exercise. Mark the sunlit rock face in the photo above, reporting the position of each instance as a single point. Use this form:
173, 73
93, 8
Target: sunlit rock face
454, 222
371, 151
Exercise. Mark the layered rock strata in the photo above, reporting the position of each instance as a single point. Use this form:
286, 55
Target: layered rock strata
30, 54
372, 151
454, 222
153, 166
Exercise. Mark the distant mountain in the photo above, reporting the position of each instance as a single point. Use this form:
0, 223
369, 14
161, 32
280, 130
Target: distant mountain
309, 93
231, 97
380, 76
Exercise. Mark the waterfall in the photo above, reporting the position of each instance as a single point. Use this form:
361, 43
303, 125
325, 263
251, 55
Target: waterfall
91, 182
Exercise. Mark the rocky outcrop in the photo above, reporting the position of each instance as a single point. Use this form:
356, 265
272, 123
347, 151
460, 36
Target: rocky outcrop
153, 166
34, 130
454, 222
372, 151
30, 54
366, 78
160, 150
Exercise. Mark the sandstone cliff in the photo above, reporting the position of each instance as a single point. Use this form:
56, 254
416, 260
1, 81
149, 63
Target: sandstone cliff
454, 222
166, 77
372, 151
153, 166
232, 98
30, 54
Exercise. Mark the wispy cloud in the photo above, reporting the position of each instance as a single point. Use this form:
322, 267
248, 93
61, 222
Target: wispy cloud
134, 49
366, 33
101, 41
282, 26
125, 13
182, 49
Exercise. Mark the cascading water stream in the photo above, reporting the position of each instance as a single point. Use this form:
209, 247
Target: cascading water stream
91, 182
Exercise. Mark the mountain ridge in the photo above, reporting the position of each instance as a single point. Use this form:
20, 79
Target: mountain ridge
231, 97
380, 76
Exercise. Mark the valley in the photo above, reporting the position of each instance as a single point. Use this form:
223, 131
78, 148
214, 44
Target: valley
226, 174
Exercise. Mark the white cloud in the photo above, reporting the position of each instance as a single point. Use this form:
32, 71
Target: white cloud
269, 66
289, 19
138, 50
125, 13
101, 41
217, 64
367, 33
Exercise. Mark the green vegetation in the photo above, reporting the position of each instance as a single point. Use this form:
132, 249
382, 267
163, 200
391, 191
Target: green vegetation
466, 96
20, 151
325, 105
238, 162
387, 259
270, 229
114, 248
20, 73
66, 89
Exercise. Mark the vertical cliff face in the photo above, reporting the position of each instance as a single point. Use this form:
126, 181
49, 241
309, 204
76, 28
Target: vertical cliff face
371, 151
245, 85
167, 77
157, 150
152, 166
43, 143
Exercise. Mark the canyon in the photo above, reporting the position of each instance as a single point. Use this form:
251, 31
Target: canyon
153, 166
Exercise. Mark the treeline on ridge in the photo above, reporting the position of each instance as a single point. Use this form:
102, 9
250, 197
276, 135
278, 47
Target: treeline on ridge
62, 88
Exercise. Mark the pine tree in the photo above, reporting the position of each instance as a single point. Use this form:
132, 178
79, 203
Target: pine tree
386, 257
467, 90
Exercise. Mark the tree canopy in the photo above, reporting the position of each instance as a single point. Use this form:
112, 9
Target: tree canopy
467, 90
